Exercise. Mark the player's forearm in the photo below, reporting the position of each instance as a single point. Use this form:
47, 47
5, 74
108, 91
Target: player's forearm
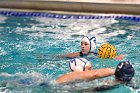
71, 55
104, 72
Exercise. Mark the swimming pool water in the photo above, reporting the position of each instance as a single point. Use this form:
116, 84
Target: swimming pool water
30, 49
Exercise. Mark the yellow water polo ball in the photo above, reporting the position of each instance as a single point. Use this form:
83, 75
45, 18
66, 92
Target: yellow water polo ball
106, 51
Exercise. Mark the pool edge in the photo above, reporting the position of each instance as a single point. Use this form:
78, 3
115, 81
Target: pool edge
90, 7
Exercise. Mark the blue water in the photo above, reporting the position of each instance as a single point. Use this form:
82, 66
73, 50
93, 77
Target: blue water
31, 49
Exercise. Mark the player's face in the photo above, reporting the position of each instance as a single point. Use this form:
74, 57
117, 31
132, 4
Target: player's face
85, 47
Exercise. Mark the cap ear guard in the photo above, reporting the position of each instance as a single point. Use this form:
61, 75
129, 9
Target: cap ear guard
94, 39
74, 67
78, 64
92, 44
85, 62
72, 61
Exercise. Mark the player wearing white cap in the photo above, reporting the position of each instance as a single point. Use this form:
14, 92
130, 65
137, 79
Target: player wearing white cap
88, 45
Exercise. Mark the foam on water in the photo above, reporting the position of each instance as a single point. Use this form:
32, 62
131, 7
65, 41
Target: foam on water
2, 52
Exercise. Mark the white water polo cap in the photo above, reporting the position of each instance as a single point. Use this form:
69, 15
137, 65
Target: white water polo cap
78, 64
91, 41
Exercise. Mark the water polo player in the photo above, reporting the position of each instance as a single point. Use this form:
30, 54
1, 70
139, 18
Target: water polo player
88, 45
123, 73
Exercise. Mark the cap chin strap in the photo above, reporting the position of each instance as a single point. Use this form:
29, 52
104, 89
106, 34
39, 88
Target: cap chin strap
85, 62
78, 68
